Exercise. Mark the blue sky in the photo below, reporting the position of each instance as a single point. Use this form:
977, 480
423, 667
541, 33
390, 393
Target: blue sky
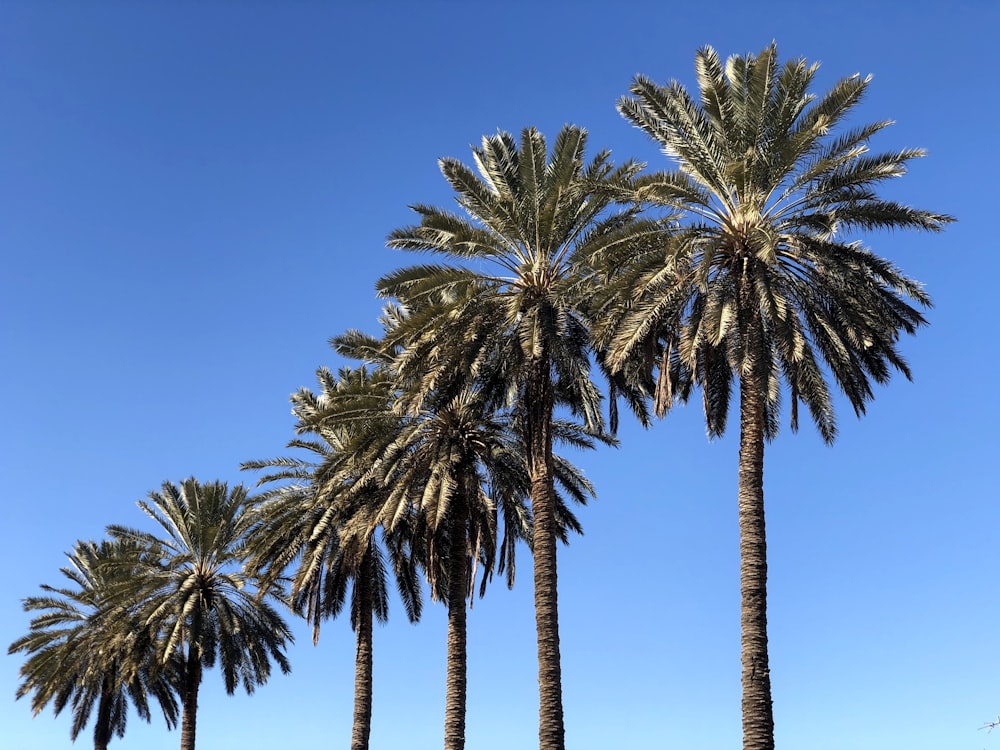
194, 197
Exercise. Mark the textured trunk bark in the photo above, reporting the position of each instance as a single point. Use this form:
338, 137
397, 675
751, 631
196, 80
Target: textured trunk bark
551, 730
102, 726
758, 720
189, 698
458, 588
363, 660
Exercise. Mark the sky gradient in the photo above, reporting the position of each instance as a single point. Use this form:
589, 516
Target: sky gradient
195, 196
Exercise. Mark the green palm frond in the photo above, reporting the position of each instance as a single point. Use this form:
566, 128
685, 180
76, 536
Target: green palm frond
198, 596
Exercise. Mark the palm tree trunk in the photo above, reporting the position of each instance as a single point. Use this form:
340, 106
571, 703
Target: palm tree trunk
363, 660
758, 720
458, 588
540, 401
189, 698
102, 726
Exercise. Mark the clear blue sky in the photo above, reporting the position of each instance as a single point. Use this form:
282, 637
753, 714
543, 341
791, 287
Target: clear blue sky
194, 198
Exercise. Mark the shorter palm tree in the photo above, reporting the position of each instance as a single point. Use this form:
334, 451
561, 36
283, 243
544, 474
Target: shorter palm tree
322, 520
197, 596
454, 470
79, 655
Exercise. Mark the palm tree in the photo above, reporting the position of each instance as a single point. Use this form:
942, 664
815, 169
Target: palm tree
513, 319
764, 282
461, 462
324, 521
198, 597
80, 656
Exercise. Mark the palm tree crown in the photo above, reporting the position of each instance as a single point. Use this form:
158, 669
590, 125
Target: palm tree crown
762, 280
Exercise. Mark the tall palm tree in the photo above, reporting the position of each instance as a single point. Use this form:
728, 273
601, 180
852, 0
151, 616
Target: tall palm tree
765, 281
322, 518
198, 597
513, 318
79, 655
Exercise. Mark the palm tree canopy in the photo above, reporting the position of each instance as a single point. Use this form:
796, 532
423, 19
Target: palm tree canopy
325, 513
764, 278
516, 296
199, 596
80, 654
